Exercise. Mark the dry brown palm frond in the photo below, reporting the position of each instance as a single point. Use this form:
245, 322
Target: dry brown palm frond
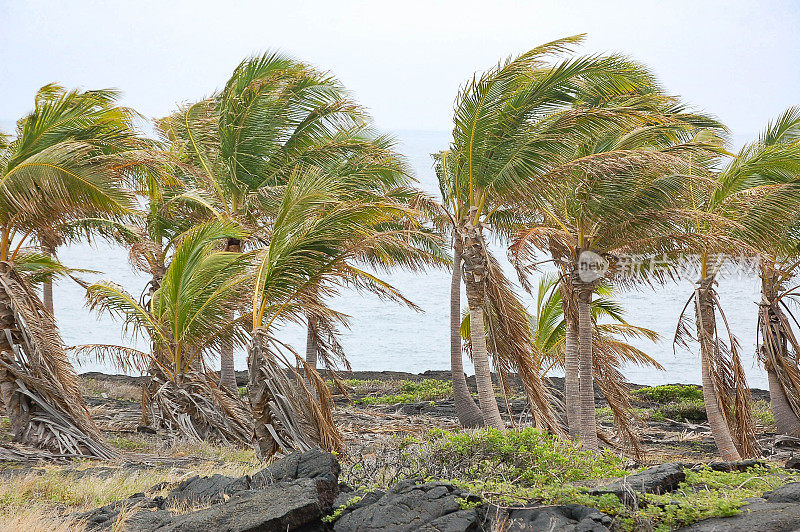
616, 390
38, 386
725, 367
126, 359
509, 341
528, 243
778, 348
292, 409
198, 409
330, 351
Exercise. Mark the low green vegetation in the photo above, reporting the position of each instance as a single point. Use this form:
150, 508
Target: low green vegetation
524, 467
669, 393
693, 410
395, 392
762, 412
337, 513
132, 444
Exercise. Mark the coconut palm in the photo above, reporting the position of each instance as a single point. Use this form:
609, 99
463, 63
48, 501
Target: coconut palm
743, 192
778, 346
64, 163
313, 236
91, 125
610, 346
510, 124
273, 114
182, 323
615, 193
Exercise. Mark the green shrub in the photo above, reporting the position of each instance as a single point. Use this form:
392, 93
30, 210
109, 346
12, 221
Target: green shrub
412, 392
762, 411
529, 456
669, 393
689, 410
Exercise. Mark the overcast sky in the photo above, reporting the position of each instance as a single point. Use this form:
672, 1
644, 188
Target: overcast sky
404, 60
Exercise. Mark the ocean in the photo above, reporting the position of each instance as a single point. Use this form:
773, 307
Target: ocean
387, 336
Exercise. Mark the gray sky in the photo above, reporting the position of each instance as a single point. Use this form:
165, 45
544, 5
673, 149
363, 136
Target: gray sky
403, 60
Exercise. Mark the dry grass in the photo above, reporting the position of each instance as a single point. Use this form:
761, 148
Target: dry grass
230, 455
110, 390
44, 499
38, 518
54, 486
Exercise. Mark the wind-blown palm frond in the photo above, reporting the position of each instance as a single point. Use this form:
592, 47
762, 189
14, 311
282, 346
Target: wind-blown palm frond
183, 323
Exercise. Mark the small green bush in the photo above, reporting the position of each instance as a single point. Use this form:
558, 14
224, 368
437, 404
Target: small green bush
689, 410
669, 393
413, 392
529, 456
762, 411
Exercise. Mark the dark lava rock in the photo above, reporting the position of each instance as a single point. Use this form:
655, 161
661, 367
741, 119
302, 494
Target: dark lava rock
759, 515
315, 463
777, 511
730, 467
566, 518
660, 479
284, 506
408, 506
787, 493
207, 489
292, 494
144, 429
792, 463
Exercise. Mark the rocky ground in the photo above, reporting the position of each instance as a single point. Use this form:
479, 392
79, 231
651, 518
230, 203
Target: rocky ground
407, 469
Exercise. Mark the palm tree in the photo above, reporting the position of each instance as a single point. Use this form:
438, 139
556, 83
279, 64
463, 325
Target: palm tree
736, 198
313, 234
92, 120
64, 163
273, 114
512, 124
182, 322
611, 334
779, 347
614, 193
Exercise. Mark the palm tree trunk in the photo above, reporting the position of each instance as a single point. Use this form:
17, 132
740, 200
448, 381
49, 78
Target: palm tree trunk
227, 370
706, 327
483, 376
786, 420
588, 429
572, 400
311, 343
475, 278
47, 286
469, 415
774, 345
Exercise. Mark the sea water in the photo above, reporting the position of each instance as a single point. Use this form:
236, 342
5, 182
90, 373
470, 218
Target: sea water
386, 336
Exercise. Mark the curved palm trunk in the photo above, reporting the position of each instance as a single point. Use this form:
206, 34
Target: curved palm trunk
475, 277
786, 420
572, 400
469, 415
47, 286
38, 386
775, 353
588, 429
312, 349
706, 327
227, 370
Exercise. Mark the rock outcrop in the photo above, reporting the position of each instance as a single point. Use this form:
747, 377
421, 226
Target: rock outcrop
292, 494
660, 479
775, 511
